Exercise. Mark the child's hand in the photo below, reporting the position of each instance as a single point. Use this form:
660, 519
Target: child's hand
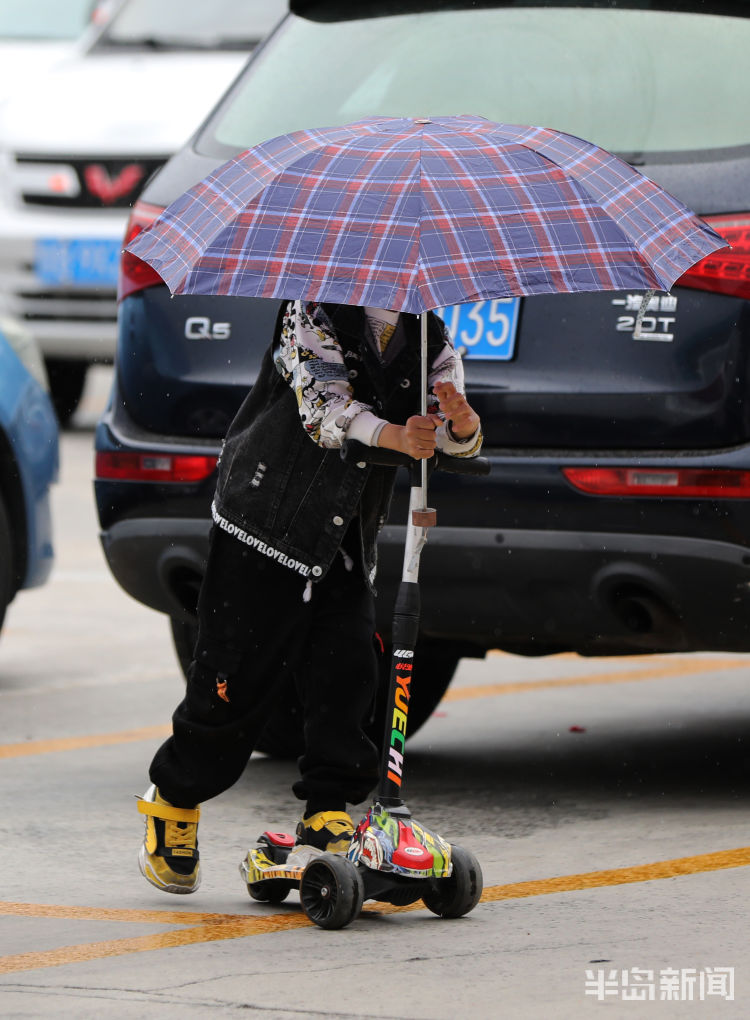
418, 435
462, 419
416, 438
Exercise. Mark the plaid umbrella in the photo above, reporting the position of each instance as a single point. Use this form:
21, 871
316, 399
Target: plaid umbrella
413, 214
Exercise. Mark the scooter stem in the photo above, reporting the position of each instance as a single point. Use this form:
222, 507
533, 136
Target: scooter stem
406, 617
404, 640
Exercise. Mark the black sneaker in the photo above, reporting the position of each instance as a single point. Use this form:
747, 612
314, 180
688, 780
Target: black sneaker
331, 831
168, 857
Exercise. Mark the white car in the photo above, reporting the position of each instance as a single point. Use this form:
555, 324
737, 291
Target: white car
37, 34
76, 149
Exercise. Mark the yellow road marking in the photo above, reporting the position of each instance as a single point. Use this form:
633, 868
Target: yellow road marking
626, 676
718, 861
77, 743
215, 927
115, 914
147, 943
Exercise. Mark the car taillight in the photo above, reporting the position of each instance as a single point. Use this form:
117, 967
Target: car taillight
726, 271
153, 467
135, 274
707, 483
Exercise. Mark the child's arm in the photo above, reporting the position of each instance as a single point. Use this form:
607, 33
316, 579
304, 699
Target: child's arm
310, 359
459, 431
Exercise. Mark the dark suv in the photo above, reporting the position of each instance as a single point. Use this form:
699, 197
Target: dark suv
616, 517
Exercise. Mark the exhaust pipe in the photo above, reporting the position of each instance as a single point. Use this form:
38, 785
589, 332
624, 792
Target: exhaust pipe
642, 611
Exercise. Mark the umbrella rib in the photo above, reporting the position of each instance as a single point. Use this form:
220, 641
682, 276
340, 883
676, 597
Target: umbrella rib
456, 254
374, 259
416, 271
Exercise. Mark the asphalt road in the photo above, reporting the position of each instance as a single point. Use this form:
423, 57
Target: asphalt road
605, 799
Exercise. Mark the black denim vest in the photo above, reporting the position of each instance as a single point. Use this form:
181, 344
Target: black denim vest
290, 499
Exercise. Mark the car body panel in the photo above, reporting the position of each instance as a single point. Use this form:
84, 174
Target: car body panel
35, 36
136, 102
30, 430
21, 62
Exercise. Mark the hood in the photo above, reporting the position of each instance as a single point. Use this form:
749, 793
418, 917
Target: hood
139, 103
23, 62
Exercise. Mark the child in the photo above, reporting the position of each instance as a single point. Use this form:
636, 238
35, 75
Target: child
288, 589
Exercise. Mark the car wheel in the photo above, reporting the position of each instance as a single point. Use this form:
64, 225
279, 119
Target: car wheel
435, 663
66, 382
6, 562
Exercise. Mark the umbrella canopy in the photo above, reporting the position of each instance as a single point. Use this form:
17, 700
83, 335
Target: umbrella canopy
414, 214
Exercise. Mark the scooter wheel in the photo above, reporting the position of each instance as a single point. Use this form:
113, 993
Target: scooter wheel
272, 890
458, 894
331, 891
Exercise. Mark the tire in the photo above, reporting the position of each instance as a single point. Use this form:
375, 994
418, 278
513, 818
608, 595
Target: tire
6, 562
331, 891
272, 890
459, 894
66, 382
435, 663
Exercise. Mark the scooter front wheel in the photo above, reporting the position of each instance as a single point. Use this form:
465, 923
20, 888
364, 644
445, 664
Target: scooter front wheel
331, 891
460, 893
270, 890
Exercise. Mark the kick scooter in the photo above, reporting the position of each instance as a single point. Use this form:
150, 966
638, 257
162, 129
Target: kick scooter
391, 858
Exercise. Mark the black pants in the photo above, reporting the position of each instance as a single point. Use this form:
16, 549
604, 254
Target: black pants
255, 632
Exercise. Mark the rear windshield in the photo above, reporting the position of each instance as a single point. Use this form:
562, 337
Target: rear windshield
192, 24
44, 19
635, 81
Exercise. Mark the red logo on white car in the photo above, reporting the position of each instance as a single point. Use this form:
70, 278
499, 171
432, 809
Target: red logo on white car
109, 189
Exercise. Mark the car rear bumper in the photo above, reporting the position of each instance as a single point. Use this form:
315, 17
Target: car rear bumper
527, 591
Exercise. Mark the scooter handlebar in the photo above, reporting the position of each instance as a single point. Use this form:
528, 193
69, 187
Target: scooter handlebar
354, 452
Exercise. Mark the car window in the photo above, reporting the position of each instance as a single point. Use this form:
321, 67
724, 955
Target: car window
631, 80
44, 19
200, 24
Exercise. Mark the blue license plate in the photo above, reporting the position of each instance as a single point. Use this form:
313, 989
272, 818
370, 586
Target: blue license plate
80, 261
485, 329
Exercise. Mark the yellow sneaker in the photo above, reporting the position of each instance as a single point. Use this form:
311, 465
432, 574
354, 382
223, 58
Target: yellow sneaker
169, 855
330, 831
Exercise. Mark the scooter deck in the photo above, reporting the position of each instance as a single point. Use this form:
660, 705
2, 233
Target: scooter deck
273, 861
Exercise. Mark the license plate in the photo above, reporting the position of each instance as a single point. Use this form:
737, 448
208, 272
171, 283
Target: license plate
78, 261
485, 329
